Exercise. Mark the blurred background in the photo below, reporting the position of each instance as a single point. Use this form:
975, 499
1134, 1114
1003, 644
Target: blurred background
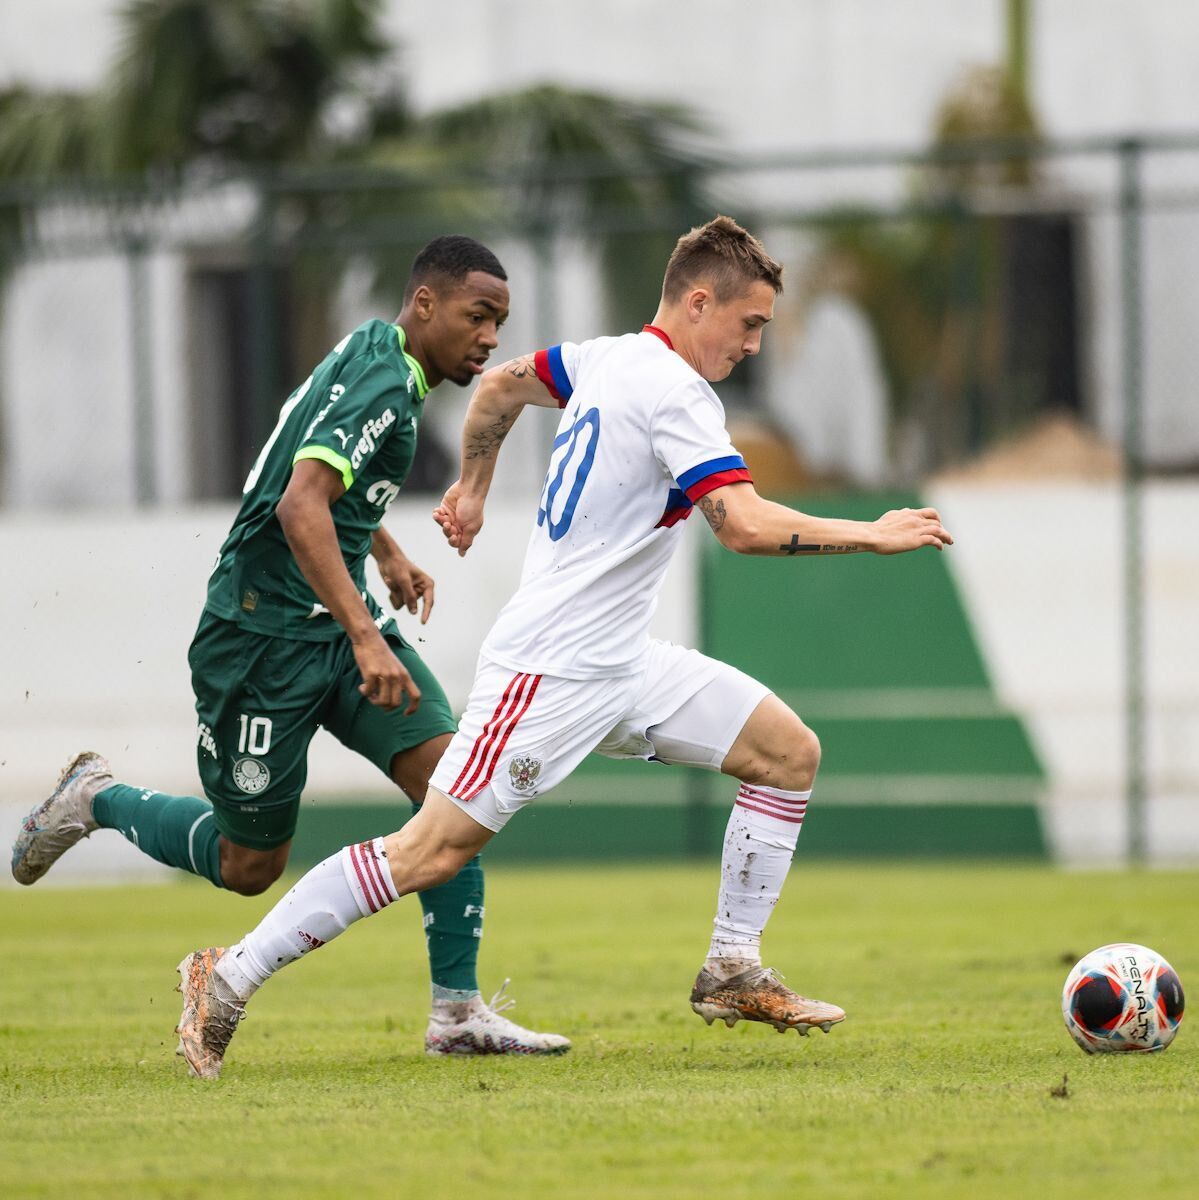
988, 214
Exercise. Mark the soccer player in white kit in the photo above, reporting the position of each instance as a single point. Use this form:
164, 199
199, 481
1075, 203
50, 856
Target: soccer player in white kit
569, 666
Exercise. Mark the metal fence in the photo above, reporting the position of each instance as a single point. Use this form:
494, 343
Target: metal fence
942, 311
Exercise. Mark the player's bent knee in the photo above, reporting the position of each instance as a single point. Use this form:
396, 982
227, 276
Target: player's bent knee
775, 749
249, 872
249, 883
808, 748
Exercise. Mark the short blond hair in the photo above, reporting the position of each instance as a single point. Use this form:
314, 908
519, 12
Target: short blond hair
722, 254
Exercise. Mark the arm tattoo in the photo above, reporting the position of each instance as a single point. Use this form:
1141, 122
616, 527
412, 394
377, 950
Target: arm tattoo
486, 442
715, 512
521, 368
795, 546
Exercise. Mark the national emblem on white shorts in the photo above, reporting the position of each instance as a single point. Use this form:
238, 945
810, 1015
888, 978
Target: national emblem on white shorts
251, 775
523, 771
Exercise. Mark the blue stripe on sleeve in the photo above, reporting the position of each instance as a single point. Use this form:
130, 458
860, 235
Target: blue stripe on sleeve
558, 371
734, 462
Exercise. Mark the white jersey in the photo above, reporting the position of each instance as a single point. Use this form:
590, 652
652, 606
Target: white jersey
642, 438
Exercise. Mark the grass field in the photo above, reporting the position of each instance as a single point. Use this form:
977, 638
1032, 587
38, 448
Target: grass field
941, 1082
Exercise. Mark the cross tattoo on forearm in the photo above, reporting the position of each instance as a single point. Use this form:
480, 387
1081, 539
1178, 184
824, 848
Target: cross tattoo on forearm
795, 546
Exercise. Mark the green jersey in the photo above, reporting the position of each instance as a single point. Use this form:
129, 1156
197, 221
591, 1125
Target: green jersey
358, 412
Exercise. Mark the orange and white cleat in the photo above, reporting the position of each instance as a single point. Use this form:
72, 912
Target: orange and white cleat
760, 995
211, 1013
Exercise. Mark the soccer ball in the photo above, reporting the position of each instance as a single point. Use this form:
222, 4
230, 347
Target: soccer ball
1122, 997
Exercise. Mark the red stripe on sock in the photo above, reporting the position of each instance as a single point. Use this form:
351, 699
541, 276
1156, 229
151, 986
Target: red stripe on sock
790, 818
364, 881
772, 797
512, 723
382, 878
484, 739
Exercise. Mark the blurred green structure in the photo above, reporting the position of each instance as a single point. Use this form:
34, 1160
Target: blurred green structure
976, 288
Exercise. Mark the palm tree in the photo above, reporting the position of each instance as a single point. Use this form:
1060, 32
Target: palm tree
226, 82
299, 97
200, 88
627, 172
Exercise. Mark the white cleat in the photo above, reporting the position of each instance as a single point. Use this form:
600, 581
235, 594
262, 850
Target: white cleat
62, 820
760, 995
486, 1031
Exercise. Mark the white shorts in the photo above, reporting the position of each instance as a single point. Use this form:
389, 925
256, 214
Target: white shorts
522, 735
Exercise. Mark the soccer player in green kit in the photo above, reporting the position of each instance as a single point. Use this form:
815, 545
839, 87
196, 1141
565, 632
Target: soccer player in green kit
290, 638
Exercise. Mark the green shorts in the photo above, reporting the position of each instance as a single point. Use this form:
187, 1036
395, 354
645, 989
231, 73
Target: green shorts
259, 701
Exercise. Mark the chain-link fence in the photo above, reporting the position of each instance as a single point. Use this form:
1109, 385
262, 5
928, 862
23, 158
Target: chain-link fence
936, 307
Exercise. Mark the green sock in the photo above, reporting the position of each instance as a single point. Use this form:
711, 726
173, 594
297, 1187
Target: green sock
453, 926
176, 830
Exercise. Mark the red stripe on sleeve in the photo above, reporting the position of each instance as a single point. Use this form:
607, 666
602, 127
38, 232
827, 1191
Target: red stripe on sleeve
541, 364
711, 482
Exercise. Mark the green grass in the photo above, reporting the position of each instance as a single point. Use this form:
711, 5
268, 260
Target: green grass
938, 1085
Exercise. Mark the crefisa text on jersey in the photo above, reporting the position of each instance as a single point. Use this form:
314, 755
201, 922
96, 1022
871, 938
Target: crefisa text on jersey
371, 430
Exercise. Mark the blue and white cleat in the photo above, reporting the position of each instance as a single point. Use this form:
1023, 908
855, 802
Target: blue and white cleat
64, 819
484, 1031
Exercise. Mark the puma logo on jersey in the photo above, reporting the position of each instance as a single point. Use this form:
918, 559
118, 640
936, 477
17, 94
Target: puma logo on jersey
345, 437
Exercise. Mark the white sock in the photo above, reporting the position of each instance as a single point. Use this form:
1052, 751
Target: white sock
355, 882
759, 842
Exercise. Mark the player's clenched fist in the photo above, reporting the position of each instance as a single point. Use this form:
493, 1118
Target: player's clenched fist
460, 515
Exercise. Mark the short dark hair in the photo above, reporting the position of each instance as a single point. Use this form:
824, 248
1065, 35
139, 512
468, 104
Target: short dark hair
725, 255
450, 260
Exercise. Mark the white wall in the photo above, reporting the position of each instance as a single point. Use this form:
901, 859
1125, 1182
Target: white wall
96, 614
781, 74
1041, 569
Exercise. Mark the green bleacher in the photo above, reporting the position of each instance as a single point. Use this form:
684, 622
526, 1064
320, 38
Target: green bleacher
877, 655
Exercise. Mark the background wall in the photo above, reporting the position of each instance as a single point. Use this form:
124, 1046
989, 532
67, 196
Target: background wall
99, 615
104, 367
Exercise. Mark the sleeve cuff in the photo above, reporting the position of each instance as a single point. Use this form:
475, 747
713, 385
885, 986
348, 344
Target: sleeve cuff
330, 458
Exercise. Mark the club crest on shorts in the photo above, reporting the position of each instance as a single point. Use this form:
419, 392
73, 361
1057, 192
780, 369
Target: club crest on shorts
250, 775
523, 771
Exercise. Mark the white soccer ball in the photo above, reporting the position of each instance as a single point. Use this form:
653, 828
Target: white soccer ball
1122, 997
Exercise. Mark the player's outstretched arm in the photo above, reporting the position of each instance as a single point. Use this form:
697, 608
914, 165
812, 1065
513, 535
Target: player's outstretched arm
750, 524
502, 393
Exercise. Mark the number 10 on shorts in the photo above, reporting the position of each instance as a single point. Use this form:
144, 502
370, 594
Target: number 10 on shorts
255, 735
